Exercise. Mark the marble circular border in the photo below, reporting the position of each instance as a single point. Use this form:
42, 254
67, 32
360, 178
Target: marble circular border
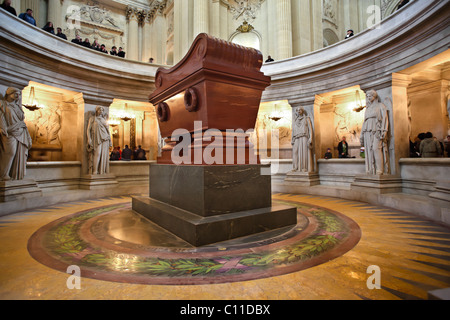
69, 241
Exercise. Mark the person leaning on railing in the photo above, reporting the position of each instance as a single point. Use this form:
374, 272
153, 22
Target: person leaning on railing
6, 5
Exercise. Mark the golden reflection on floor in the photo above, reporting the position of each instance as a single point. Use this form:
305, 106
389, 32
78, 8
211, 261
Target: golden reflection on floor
412, 253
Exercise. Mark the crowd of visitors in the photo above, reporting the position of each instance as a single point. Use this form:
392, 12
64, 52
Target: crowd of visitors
28, 17
98, 47
424, 146
428, 146
127, 154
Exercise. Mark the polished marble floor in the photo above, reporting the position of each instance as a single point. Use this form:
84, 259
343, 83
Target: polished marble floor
413, 255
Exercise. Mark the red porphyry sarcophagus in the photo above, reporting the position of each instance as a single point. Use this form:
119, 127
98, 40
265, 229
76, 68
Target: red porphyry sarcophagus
217, 85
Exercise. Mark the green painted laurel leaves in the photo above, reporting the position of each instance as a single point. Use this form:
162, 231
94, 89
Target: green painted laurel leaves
178, 267
64, 239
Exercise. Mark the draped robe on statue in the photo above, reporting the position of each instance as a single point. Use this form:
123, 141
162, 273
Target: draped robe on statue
374, 138
302, 144
99, 142
15, 141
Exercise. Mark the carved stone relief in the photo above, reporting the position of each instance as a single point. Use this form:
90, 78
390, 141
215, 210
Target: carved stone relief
245, 10
92, 12
96, 23
44, 126
348, 124
330, 11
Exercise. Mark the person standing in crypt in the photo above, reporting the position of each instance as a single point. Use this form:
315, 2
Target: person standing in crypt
98, 142
302, 142
343, 148
15, 140
374, 135
328, 154
127, 153
430, 147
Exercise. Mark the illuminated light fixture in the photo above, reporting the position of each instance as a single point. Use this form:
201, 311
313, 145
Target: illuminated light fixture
359, 105
33, 103
276, 115
113, 122
125, 115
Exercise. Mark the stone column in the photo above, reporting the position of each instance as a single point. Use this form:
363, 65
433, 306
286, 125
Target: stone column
284, 31
126, 134
399, 120
133, 34
444, 94
350, 18
201, 17
182, 29
54, 13
316, 25
139, 132
301, 27
215, 19
160, 36
146, 38
141, 21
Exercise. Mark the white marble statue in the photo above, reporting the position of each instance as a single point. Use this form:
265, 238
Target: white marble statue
374, 135
98, 142
302, 142
15, 140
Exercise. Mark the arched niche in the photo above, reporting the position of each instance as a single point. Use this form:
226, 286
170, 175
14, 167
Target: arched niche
329, 37
250, 38
390, 8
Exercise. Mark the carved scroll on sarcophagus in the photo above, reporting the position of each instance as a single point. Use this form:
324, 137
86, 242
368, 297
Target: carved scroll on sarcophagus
208, 102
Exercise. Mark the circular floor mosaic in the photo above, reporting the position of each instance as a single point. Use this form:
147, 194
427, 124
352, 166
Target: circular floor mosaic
114, 243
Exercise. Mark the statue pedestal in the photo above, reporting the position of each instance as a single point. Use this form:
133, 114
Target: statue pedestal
306, 179
97, 181
209, 204
16, 189
378, 184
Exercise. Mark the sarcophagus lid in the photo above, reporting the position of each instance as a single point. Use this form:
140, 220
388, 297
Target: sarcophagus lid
218, 83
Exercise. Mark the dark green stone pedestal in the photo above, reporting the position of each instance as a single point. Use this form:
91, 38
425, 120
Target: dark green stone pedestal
209, 204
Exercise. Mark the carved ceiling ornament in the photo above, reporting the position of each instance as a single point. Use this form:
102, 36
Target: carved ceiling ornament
245, 9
